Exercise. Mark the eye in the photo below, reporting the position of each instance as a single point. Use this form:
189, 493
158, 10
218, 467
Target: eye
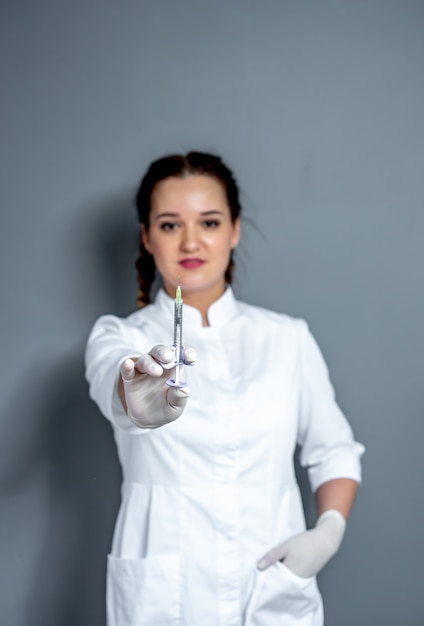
211, 223
168, 226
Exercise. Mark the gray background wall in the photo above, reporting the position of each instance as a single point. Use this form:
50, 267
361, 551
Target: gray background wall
318, 106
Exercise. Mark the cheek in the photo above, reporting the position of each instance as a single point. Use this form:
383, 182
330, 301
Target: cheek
159, 247
221, 241
161, 256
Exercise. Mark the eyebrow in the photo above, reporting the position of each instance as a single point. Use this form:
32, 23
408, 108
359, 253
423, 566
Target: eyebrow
203, 214
158, 217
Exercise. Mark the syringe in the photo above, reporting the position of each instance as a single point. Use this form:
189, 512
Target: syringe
178, 340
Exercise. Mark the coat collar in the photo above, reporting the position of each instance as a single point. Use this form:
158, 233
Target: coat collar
219, 313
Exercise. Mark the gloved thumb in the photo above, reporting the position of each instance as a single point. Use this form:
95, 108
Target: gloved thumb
177, 397
278, 553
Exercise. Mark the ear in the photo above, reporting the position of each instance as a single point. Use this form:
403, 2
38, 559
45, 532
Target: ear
236, 233
145, 238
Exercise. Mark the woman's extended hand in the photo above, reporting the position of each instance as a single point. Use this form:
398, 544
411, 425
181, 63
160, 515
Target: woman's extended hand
306, 554
149, 401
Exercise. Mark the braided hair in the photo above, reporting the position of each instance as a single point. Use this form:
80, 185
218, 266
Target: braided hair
179, 166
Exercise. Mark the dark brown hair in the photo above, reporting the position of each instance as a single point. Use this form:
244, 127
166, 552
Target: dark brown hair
200, 163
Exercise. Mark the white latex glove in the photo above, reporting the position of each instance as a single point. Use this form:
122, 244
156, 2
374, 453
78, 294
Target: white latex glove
150, 401
306, 554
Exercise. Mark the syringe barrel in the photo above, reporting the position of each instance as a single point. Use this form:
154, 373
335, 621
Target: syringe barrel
178, 330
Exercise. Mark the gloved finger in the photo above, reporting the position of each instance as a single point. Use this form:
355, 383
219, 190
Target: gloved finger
273, 556
146, 364
189, 355
162, 354
177, 397
128, 370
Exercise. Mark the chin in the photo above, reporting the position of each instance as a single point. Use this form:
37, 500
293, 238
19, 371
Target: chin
206, 288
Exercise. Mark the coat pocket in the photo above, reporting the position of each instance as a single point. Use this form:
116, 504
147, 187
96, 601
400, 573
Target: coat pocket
280, 597
143, 592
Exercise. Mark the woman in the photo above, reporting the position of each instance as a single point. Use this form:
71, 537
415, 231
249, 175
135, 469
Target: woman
211, 529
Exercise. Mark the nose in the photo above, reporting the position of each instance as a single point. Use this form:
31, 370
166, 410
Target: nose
190, 241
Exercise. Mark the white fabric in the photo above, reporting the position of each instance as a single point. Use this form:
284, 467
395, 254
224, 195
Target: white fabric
204, 497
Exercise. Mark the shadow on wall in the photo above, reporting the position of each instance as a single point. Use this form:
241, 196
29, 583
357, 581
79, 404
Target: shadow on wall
106, 278
84, 484
63, 434
78, 442
66, 437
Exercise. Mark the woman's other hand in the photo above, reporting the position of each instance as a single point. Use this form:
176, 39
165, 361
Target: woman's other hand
306, 554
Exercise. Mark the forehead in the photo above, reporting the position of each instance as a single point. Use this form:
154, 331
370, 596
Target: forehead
195, 191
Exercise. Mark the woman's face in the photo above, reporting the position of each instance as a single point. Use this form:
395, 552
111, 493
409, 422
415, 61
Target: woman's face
191, 236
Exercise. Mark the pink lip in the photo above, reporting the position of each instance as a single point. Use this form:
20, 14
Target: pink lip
191, 263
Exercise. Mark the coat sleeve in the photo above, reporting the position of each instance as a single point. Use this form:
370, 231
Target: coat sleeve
328, 448
111, 341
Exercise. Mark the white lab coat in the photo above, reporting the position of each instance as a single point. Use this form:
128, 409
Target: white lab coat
203, 498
